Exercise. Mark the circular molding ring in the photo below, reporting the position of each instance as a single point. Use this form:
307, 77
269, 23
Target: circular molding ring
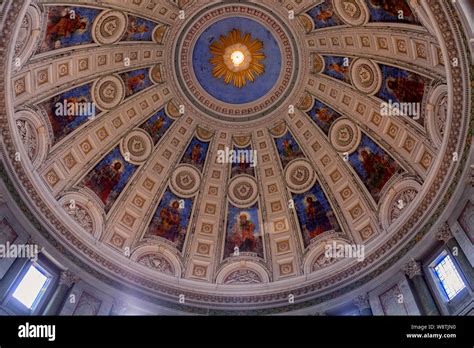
185, 181
345, 136
353, 12
109, 27
366, 76
243, 191
299, 176
137, 146
108, 92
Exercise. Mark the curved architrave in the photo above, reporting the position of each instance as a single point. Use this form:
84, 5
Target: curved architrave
419, 55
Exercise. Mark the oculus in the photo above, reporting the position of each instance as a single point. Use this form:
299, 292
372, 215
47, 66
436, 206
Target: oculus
237, 58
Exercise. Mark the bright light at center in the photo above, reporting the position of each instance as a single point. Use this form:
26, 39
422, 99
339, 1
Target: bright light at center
237, 58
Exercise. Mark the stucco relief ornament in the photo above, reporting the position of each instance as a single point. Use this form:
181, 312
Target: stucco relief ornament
243, 191
299, 176
28, 138
323, 261
109, 27
441, 115
120, 307
67, 279
242, 276
444, 233
156, 262
400, 202
366, 76
353, 12
185, 181
412, 269
108, 92
81, 216
237, 58
362, 302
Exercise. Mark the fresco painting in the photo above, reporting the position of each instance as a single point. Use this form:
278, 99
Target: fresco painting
196, 153
109, 177
243, 231
323, 115
64, 122
136, 81
68, 26
337, 67
315, 215
374, 166
171, 219
139, 29
242, 166
288, 149
391, 11
157, 125
401, 86
323, 16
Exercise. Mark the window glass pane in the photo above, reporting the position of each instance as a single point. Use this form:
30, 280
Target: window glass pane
449, 276
30, 287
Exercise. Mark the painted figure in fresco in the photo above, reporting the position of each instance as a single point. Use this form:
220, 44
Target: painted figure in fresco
196, 154
338, 68
60, 123
324, 114
288, 148
392, 7
64, 26
156, 126
243, 234
134, 82
169, 222
407, 89
316, 220
106, 178
324, 15
136, 28
243, 164
378, 168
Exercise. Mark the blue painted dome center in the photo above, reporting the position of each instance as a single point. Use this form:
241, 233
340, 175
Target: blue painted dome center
228, 92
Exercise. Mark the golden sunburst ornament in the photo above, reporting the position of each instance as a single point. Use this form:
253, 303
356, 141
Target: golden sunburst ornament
237, 58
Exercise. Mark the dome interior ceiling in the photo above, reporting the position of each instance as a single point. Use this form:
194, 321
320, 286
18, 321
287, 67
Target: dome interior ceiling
228, 144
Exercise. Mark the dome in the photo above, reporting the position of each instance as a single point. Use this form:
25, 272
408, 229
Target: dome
252, 157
